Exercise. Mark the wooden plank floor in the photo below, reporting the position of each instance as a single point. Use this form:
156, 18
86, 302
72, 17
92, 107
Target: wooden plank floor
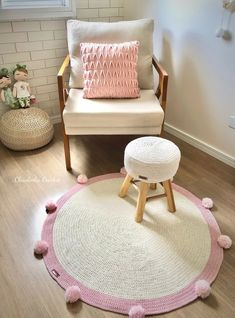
29, 179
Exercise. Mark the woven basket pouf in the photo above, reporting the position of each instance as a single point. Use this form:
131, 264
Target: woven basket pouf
25, 129
150, 160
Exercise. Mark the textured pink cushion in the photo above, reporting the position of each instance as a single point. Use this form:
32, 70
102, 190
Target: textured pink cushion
110, 70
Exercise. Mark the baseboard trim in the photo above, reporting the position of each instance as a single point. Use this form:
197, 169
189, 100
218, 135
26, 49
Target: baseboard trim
214, 152
55, 119
210, 150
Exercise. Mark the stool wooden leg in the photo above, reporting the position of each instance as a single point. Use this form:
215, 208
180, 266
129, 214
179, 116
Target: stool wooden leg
153, 186
125, 186
170, 196
143, 189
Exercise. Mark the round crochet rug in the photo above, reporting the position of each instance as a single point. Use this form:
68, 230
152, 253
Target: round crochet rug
95, 243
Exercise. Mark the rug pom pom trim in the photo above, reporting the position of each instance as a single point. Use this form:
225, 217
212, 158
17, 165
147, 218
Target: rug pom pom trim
224, 241
137, 312
207, 203
123, 171
51, 207
202, 288
41, 247
72, 294
82, 179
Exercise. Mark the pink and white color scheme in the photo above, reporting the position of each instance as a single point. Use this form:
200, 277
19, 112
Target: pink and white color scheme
137, 312
224, 241
82, 179
195, 288
207, 203
41, 247
123, 171
72, 294
51, 207
202, 288
110, 70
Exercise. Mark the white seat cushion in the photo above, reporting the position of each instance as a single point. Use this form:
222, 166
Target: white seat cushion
142, 115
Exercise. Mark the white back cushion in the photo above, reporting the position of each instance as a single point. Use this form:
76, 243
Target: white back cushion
115, 32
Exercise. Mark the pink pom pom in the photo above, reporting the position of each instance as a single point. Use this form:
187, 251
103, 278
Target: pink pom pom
207, 203
82, 178
224, 241
51, 207
137, 312
41, 247
72, 294
123, 171
202, 288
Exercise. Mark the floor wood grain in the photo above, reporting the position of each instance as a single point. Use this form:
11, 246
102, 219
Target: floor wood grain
29, 179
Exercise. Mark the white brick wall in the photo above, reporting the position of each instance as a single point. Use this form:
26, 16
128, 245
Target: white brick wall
40, 35
98, 3
5, 27
29, 46
11, 58
42, 46
44, 54
25, 26
109, 12
7, 48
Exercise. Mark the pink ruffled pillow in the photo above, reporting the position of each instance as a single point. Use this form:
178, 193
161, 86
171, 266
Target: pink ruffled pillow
110, 70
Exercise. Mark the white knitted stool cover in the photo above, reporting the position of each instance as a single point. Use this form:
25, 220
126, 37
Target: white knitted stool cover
151, 159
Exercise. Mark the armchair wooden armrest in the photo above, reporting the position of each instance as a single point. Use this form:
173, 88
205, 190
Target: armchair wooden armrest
61, 87
161, 91
63, 97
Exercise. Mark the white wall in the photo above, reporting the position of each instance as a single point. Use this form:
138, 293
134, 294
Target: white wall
42, 46
201, 69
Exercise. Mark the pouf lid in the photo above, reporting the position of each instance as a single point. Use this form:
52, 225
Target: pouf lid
152, 150
27, 119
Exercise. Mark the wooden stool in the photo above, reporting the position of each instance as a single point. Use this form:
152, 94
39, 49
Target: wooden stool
143, 191
148, 161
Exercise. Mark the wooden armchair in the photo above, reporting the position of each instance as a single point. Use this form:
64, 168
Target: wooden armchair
161, 94
140, 116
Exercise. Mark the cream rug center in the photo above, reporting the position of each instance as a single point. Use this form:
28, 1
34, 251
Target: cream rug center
98, 243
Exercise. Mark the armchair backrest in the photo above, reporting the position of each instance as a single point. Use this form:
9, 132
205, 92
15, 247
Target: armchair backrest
115, 32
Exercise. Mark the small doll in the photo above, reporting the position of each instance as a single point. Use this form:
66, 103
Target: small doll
21, 89
6, 92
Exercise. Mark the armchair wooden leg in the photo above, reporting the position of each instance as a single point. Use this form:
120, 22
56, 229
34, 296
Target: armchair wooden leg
143, 189
125, 186
153, 186
170, 196
67, 152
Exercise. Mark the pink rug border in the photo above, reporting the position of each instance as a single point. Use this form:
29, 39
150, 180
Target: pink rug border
110, 303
